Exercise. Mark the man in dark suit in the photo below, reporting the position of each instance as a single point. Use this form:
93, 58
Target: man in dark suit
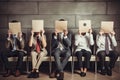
61, 43
14, 48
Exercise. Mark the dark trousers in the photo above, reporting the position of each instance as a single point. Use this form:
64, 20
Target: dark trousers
65, 54
86, 55
113, 57
19, 54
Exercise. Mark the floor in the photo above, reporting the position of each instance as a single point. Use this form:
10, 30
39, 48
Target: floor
68, 76
44, 75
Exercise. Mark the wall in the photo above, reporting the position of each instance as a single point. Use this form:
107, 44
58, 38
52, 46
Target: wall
50, 10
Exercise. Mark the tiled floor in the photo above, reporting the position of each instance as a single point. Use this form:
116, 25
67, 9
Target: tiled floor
68, 76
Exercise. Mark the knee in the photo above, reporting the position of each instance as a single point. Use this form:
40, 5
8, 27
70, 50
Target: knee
68, 54
101, 54
21, 54
78, 54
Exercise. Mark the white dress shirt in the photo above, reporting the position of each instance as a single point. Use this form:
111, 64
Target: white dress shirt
100, 41
83, 42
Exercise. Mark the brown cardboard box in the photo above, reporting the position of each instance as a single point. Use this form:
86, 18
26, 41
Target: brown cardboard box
84, 25
15, 27
107, 26
37, 25
60, 26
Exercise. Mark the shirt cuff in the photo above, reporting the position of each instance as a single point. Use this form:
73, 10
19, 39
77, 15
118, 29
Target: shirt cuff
8, 39
65, 37
20, 39
55, 37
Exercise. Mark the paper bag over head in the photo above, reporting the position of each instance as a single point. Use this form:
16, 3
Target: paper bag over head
60, 26
15, 27
107, 26
84, 25
37, 25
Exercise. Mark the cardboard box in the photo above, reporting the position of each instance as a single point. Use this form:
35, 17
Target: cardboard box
37, 25
107, 26
60, 26
84, 25
15, 27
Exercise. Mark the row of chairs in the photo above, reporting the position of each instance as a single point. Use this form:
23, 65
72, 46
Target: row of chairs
72, 59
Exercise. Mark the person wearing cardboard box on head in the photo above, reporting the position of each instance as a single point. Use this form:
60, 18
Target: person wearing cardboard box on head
83, 41
15, 44
38, 52
61, 42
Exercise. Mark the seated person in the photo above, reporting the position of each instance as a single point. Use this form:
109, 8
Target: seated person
15, 44
82, 43
105, 43
38, 51
61, 43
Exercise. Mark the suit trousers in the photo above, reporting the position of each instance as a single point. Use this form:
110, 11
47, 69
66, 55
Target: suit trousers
16, 53
37, 58
87, 56
113, 57
65, 54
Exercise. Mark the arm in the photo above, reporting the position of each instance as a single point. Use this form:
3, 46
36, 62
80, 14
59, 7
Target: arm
76, 40
43, 39
90, 38
31, 39
112, 36
67, 40
54, 41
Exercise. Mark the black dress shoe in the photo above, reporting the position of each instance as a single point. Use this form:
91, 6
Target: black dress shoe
36, 75
109, 71
17, 73
53, 74
103, 71
7, 74
30, 75
61, 76
82, 74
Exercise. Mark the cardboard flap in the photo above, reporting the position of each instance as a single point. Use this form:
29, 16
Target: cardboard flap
107, 26
84, 25
15, 27
60, 26
37, 25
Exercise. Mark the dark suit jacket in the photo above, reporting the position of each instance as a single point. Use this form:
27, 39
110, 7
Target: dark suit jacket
20, 45
66, 42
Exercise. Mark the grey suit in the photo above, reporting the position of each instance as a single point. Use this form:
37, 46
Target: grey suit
57, 51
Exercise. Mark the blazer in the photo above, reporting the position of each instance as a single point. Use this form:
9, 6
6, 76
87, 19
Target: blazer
33, 48
20, 44
66, 41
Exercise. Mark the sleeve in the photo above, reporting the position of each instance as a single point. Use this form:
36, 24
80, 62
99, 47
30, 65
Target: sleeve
67, 40
98, 40
54, 41
114, 42
21, 43
76, 40
8, 43
91, 39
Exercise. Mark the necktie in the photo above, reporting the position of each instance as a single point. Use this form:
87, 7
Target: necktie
38, 46
14, 43
106, 44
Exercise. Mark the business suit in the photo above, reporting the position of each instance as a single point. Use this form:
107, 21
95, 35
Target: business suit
100, 40
18, 52
57, 51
